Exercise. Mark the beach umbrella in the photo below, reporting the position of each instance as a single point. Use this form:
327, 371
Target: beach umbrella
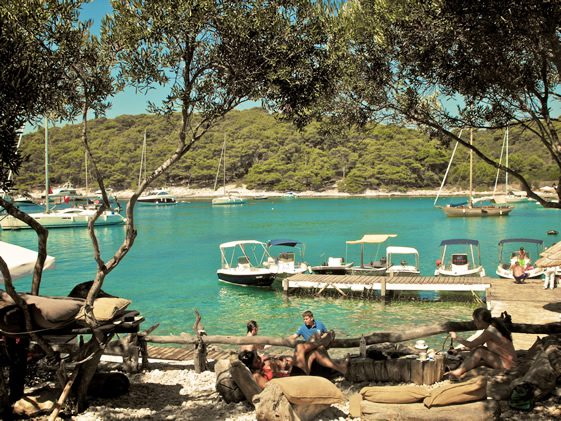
20, 260
555, 248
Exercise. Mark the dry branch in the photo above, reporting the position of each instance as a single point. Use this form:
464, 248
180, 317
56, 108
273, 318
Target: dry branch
373, 338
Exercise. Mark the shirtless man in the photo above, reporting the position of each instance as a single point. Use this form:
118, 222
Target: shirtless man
499, 351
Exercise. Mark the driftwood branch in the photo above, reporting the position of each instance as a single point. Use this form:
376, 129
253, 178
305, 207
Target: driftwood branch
373, 338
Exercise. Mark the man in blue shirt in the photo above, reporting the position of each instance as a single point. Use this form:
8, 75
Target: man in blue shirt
317, 338
310, 328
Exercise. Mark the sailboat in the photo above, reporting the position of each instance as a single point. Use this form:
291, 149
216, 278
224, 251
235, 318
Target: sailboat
509, 196
156, 196
470, 209
65, 218
227, 198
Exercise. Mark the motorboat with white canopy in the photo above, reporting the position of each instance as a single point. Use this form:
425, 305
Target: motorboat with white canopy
402, 261
508, 255
243, 263
372, 267
459, 257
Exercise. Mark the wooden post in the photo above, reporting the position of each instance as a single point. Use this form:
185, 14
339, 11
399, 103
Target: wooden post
285, 285
383, 288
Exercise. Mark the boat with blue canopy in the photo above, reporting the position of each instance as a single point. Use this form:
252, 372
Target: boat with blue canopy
459, 257
290, 258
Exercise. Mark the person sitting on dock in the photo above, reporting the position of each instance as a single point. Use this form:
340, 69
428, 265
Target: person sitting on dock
493, 348
264, 369
518, 273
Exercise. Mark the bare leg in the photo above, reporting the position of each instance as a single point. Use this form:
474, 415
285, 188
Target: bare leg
479, 357
301, 354
325, 360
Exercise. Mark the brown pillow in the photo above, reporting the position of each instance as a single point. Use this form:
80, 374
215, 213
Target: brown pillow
106, 308
53, 312
394, 394
309, 390
472, 390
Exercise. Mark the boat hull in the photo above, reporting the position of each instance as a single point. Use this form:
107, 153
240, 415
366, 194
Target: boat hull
367, 271
226, 201
460, 274
330, 270
260, 279
158, 201
61, 221
476, 211
506, 273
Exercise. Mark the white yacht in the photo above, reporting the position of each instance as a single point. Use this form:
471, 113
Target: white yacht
64, 218
157, 197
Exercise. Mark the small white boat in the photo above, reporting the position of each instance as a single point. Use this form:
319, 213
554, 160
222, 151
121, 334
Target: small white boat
230, 199
373, 267
157, 197
509, 256
402, 261
64, 218
243, 263
290, 260
333, 266
459, 257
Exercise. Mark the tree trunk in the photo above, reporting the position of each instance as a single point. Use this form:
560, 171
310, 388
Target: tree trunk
374, 338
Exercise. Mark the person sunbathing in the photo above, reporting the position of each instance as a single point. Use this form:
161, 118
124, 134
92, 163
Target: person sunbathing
493, 348
266, 368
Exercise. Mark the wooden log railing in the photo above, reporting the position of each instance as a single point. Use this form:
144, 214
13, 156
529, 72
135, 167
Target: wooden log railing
373, 338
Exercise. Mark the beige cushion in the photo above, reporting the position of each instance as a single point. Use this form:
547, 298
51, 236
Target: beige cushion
53, 312
394, 394
309, 390
244, 379
472, 390
106, 308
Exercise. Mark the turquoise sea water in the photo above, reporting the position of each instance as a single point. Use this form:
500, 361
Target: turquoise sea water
172, 267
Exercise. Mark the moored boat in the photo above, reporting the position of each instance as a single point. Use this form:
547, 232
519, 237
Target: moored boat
373, 267
243, 263
290, 259
402, 261
229, 199
509, 256
459, 257
64, 218
157, 197
333, 266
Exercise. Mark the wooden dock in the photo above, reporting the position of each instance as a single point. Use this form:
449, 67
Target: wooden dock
384, 284
526, 303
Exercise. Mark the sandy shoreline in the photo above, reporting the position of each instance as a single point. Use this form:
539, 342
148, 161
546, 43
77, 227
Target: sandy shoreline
186, 193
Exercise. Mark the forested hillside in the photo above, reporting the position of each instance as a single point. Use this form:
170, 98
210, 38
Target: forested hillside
264, 153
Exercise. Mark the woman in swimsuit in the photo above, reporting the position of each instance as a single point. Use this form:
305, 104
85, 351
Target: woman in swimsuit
267, 368
493, 348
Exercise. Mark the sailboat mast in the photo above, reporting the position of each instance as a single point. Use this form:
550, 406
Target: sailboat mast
142, 160
219, 163
86, 164
506, 161
470, 201
46, 165
224, 169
